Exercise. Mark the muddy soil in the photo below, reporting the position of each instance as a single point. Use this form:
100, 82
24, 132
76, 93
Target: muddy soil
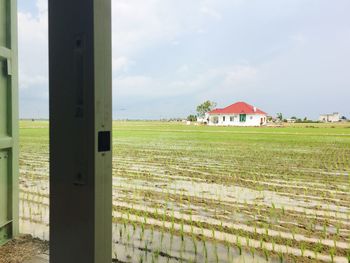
22, 248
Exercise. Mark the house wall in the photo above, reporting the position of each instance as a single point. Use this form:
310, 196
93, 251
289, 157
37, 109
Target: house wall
335, 117
225, 120
202, 120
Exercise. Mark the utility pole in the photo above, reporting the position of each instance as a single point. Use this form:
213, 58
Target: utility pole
80, 131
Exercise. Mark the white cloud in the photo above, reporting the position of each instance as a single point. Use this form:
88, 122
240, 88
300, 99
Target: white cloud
212, 81
42, 6
121, 64
239, 75
211, 12
137, 24
33, 48
183, 69
32, 81
136, 85
299, 39
218, 49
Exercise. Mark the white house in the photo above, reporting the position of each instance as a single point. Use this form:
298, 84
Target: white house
237, 114
203, 120
335, 117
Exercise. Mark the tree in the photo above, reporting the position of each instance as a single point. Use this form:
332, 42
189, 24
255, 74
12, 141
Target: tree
205, 107
279, 116
192, 118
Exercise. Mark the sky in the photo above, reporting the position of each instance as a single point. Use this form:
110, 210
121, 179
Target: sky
290, 56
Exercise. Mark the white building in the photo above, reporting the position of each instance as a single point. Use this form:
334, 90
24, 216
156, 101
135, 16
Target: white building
335, 117
292, 120
203, 120
237, 114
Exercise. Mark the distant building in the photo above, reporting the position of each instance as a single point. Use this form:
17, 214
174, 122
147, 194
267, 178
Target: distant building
292, 120
237, 114
334, 117
203, 120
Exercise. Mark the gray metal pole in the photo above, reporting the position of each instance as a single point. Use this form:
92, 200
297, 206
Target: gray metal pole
80, 131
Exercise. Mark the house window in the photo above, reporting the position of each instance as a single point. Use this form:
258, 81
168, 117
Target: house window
223, 118
232, 118
215, 120
251, 117
242, 117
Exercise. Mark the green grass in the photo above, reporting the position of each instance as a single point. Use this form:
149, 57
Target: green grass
267, 185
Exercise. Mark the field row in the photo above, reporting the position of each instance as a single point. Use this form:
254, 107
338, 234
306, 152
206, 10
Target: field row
197, 194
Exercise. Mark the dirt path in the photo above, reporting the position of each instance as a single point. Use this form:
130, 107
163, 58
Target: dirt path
21, 249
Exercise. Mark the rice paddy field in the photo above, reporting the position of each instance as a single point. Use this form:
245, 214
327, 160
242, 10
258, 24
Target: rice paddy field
213, 194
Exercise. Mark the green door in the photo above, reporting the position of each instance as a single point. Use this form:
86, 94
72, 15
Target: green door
242, 117
8, 121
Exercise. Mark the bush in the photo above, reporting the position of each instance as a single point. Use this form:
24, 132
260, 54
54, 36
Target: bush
192, 118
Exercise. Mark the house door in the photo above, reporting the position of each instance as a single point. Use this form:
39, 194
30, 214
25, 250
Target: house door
8, 121
242, 117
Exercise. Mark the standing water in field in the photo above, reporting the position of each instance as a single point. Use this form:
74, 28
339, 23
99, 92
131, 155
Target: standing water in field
203, 194
134, 244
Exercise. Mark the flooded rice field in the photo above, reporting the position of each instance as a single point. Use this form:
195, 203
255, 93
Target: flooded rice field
209, 194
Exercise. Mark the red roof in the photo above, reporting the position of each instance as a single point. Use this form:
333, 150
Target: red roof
238, 108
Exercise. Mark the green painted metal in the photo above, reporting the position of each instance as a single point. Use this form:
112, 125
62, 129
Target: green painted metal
80, 131
8, 121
